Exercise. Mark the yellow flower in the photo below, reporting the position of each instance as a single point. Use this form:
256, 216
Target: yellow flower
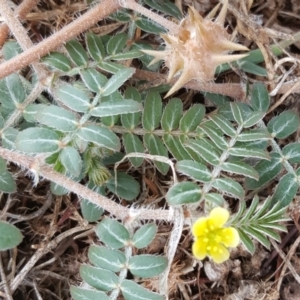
212, 238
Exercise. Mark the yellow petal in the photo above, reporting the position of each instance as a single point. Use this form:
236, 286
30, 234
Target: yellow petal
200, 227
219, 253
217, 218
199, 249
230, 237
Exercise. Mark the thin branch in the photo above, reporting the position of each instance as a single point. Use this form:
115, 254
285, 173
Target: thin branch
20, 34
119, 211
163, 21
40, 252
21, 11
234, 90
4, 281
79, 25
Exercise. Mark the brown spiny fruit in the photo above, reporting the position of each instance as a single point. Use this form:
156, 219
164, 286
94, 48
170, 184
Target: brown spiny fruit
197, 48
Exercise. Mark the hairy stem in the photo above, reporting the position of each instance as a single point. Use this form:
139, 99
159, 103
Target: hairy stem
79, 25
40, 169
164, 22
21, 11
19, 33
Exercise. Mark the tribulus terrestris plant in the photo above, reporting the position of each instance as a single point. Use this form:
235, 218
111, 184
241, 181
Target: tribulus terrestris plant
99, 127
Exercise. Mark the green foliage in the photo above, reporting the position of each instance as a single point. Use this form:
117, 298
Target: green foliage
110, 266
259, 222
10, 236
97, 117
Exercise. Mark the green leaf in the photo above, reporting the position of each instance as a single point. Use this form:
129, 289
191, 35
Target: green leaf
124, 185
172, 115
257, 235
71, 160
79, 293
152, 111
127, 55
291, 152
116, 107
252, 68
2, 122
285, 190
250, 211
213, 133
112, 233
247, 242
95, 46
58, 118
144, 236
31, 110
205, 149
192, 118
106, 258
223, 124
284, 125
249, 152
117, 43
217, 99
58, 61
240, 168
57, 189
2, 164
37, 140
10, 236
100, 136
229, 186
253, 135
90, 211
134, 291
166, 7
7, 182
93, 80
269, 232
133, 144
9, 136
117, 80
156, 147
253, 118
194, 170
121, 15
148, 25
174, 146
73, 98
132, 120
11, 49
237, 112
267, 171
215, 198
99, 278
110, 67
183, 193
77, 53
15, 88
260, 100
146, 265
